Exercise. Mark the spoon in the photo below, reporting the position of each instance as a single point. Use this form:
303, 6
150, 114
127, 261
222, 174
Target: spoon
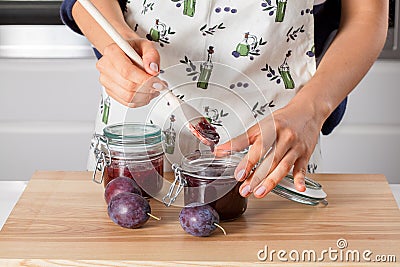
197, 124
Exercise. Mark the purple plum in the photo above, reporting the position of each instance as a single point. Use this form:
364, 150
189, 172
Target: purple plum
119, 185
129, 210
199, 219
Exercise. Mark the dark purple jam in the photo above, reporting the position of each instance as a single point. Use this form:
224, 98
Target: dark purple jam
148, 177
206, 186
207, 133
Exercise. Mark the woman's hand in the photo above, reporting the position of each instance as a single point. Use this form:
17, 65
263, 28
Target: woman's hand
125, 81
281, 141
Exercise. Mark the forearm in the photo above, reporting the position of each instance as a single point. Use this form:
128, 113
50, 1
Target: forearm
97, 36
358, 43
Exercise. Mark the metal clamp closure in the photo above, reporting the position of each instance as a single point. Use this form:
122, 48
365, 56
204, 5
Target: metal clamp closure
177, 185
102, 154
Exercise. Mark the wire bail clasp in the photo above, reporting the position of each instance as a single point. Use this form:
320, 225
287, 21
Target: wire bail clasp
177, 185
102, 154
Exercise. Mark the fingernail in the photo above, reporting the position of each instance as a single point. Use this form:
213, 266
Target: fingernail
154, 66
240, 174
260, 191
246, 190
158, 86
156, 94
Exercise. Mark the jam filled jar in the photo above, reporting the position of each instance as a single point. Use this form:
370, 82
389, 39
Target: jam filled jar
131, 150
207, 179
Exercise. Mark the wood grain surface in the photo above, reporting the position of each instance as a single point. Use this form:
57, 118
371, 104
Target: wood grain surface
61, 220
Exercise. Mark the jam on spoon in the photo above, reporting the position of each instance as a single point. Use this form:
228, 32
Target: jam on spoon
205, 132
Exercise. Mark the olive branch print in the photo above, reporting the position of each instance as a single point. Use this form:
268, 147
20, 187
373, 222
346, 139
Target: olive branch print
191, 69
293, 34
211, 30
165, 38
268, 7
272, 74
260, 110
147, 7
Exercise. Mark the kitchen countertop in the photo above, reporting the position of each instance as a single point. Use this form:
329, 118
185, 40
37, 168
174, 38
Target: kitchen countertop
10, 191
61, 219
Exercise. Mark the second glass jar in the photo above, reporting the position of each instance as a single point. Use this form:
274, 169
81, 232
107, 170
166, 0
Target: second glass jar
210, 180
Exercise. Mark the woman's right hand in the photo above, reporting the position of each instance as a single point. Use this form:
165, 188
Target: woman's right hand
125, 81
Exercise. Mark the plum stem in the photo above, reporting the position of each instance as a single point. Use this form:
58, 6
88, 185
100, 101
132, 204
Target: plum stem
220, 227
154, 217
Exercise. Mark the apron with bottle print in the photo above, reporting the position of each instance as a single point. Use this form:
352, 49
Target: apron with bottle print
234, 61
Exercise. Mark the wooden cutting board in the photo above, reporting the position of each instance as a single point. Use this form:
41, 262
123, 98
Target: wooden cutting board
61, 219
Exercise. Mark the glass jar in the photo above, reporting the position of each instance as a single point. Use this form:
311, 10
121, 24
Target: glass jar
131, 150
206, 179
210, 180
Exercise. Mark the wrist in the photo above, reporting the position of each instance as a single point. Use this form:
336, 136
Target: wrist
127, 33
315, 104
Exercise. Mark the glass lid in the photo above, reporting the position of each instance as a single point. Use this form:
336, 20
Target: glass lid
314, 195
133, 133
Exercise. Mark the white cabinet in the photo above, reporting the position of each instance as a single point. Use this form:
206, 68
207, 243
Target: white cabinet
47, 111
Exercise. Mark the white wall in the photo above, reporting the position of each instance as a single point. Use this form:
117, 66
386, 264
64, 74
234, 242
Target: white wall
368, 139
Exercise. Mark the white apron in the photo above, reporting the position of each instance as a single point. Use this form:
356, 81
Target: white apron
234, 61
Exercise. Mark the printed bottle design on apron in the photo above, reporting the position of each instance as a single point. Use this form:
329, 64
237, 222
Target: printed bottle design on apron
214, 116
205, 70
159, 33
248, 49
283, 73
189, 7
279, 9
106, 110
243, 48
170, 136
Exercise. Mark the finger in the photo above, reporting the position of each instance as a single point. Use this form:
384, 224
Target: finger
263, 169
283, 145
116, 64
123, 65
151, 85
255, 154
272, 180
107, 69
125, 97
123, 102
299, 173
244, 188
149, 54
237, 143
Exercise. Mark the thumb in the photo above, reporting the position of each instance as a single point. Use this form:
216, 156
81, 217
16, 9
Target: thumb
149, 54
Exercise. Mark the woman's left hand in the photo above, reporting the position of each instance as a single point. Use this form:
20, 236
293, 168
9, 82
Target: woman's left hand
291, 133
